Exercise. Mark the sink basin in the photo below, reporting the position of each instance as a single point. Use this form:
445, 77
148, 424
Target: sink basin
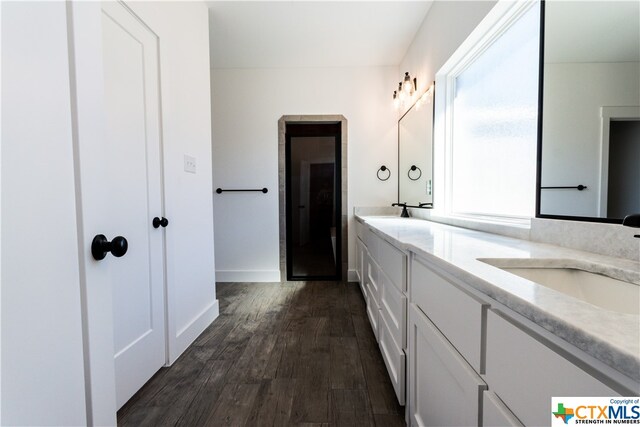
597, 289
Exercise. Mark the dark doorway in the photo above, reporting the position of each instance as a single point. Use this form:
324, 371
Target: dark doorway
313, 201
623, 195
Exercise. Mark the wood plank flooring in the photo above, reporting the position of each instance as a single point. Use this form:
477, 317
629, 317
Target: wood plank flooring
279, 354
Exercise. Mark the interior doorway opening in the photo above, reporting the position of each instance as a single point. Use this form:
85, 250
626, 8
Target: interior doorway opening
624, 175
313, 184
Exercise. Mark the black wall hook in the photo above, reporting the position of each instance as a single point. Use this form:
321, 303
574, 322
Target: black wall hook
383, 168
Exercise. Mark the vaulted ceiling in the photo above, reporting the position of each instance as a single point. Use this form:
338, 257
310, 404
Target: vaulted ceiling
291, 34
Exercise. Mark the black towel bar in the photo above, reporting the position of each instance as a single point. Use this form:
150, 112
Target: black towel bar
264, 190
577, 187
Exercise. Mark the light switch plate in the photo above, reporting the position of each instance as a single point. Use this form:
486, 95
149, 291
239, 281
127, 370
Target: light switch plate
189, 164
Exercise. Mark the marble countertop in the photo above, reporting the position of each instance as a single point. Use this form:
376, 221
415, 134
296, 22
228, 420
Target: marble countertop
611, 337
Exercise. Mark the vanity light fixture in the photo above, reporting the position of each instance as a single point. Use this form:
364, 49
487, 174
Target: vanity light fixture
406, 89
408, 85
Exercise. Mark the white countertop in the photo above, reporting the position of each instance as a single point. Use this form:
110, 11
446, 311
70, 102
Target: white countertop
611, 337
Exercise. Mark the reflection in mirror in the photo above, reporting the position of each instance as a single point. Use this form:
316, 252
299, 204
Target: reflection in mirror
415, 153
591, 110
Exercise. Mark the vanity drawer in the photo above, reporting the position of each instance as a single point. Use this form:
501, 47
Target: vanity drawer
394, 263
456, 313
361, 253
518, 361
371, 242
372, 279
394, 358
359, 229
393, 309
495, 413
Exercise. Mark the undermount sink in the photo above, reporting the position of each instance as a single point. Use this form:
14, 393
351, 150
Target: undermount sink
597, 289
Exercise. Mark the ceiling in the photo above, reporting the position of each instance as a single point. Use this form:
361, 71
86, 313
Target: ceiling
293, 34
592, 31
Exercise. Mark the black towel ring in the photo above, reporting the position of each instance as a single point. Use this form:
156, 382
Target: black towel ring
413, 168
383, 168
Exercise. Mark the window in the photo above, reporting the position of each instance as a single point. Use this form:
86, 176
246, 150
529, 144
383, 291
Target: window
490, 116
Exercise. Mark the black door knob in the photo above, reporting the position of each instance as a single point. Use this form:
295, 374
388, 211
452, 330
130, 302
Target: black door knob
157, 222
100, 246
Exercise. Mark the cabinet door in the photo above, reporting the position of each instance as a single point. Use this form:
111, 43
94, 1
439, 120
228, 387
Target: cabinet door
547, 373
495, 413
443, 388
394, 358
393, 308
373, 311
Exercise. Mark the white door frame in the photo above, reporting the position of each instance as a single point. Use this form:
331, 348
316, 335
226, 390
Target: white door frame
608, 114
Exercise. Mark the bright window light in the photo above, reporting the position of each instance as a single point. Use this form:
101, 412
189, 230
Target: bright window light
492, 138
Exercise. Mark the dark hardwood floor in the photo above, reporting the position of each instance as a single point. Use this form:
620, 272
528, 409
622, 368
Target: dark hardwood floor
295, 353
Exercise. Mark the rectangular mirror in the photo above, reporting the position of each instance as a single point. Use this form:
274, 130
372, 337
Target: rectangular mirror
589, 166
415, 153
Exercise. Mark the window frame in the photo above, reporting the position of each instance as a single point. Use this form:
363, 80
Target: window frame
497, 22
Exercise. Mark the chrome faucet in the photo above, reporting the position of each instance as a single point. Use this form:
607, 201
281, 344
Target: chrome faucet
632, 220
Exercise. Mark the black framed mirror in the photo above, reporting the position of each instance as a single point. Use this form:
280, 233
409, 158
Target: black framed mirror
589, 122
415, 153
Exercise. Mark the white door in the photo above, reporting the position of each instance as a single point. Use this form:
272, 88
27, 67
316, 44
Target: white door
132, 185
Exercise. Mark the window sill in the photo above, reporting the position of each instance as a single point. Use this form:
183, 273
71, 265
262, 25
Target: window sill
518, 228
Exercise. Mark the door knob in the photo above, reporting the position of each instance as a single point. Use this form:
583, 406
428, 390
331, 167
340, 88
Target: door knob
157, 222
100, 246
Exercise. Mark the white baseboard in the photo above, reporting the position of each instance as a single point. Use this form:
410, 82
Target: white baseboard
248, 276
187, 335
352, 276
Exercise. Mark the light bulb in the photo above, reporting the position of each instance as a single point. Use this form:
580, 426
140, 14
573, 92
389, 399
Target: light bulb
407, 85
396, 100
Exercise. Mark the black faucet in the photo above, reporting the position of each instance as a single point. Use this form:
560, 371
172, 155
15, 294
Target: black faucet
632, 220
405, 212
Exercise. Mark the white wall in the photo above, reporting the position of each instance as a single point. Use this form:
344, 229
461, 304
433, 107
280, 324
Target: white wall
42, 349
247, 104
446, 26
573, 96
183, 30
43, 373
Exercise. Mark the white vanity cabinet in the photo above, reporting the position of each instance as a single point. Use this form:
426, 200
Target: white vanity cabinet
444, 390
457, 355
519, 360
465, 350
384, 284
445, 355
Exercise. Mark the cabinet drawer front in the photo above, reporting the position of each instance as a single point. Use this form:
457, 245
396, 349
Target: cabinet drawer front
373, 312
372, 279
393, 308
495, 413
371, 242
359, 256
457, 314
394, 359
359, 230
444, 389
394, 263
526, 373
